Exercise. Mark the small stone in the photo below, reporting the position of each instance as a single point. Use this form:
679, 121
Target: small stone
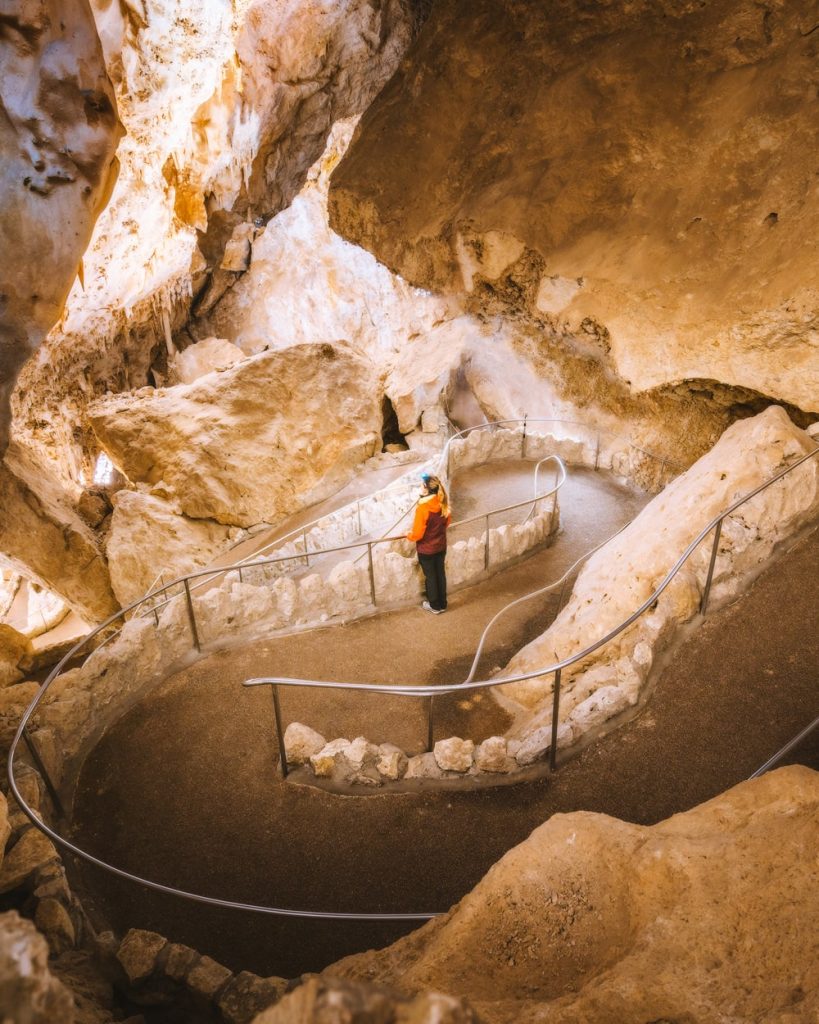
392, 761
30, 852
207, 978
358, 763
28, 991
435, 1008
454, 754
423, 766
138, 953
535, 746
247, 995
324, 762
54, 921
301, 742
178, 961
492, 756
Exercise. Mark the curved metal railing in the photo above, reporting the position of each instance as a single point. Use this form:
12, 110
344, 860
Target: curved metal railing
421, 690
21, 734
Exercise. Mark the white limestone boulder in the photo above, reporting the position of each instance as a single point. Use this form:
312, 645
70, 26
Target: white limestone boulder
301, 742
392, 762
253, 442
150, 536
622, 575
708, 916
454, 754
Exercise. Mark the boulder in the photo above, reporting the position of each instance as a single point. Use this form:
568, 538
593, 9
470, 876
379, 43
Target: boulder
31, 851
205, 357
359, 762
252, 442
710, 915
478, 211
336, 1000
618, 578
14, 649
301, 742
150, 536
392, 761
247, 995
454, 754
423, 766
138, 954
324, 763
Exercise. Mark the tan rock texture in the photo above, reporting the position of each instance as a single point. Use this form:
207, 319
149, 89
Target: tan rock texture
226, 106
44, 538
253, 442
707, 916
635, 177
622, 575
148, 537
58, 134
28, 991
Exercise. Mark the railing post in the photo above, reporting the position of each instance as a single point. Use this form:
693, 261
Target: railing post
304, 542
486, 546
156, 616
555, 713
371, 571
358, 510
191, 616
240, 574
277, 714
554, 513
597, 451
523, 439
706, 592
430, 723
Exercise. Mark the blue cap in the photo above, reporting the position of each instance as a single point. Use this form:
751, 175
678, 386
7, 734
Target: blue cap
426, 477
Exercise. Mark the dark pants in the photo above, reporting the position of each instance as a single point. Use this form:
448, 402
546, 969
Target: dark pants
435, 576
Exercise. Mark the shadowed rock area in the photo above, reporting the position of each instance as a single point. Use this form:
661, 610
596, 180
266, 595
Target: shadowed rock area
623, 173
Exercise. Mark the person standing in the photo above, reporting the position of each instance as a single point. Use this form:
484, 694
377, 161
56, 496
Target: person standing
432, 517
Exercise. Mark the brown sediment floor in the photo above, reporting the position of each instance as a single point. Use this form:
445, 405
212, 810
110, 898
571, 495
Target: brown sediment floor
183, 789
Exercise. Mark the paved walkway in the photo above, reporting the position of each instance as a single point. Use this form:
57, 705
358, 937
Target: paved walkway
183, 787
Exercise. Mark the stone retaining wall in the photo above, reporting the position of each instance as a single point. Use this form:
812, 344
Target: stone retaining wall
83, 702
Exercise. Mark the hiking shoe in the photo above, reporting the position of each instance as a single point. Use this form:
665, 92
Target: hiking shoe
428, 608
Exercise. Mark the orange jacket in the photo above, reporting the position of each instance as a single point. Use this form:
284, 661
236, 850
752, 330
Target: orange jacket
423, 510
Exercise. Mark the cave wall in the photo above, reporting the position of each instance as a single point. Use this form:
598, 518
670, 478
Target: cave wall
635, 177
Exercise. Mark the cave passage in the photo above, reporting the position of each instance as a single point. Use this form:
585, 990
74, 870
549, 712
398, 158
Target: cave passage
185, 789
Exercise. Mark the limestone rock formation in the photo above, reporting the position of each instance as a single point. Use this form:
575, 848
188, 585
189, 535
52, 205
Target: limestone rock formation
14, 647
252, 443
622, 575
28, 990
44, 538
226, 106
204, 357
149, 537
634, 178
707, 916
58, 136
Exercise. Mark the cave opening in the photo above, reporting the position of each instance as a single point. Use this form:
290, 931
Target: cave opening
391, 436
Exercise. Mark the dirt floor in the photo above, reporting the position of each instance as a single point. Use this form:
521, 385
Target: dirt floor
184, 789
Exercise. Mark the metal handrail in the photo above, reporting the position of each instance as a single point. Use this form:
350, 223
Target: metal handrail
423, 690
797, 739
443, 469
55, 837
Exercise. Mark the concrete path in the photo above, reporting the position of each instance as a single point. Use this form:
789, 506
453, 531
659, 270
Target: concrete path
183, 790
